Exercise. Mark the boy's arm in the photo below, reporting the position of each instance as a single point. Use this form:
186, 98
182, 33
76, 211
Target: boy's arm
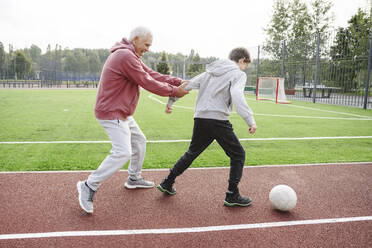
194, 83
241, 106
168, 107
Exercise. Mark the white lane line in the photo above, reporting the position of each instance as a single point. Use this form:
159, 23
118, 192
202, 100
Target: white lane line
161, 102
317, 117
58, 142
247, 167
155, 99
307, 138
328, 111
316, 109
182, 140
182, 230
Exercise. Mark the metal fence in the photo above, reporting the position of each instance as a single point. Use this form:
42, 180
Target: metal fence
49, 79
334, 68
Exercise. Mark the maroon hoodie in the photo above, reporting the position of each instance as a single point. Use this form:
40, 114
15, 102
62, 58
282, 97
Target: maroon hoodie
122, 75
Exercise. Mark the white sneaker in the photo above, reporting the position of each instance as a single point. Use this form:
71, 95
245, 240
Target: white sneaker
85, 197
139, 183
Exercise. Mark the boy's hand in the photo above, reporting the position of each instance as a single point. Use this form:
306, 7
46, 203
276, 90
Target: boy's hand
252, 129
168, 109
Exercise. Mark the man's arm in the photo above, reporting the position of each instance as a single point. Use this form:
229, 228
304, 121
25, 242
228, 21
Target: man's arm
161, 77
134, 70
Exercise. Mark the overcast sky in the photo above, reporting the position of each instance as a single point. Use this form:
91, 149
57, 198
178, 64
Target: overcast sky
210, 27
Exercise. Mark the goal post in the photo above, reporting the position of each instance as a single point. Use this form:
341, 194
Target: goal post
271, 88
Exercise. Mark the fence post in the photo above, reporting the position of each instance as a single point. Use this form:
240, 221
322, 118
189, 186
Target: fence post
258, 63
366, 96
316, 66
184, 68
283, 58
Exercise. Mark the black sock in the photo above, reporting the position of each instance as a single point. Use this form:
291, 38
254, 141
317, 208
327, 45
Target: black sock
233, 187
171, 177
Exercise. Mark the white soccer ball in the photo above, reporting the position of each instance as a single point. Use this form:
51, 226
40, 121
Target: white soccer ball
283, 197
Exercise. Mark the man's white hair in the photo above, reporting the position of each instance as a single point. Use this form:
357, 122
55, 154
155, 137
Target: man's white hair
139, 32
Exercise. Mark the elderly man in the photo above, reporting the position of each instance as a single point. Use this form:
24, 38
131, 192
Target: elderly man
122, 76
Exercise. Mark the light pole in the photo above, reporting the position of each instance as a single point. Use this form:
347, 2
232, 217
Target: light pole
188, 60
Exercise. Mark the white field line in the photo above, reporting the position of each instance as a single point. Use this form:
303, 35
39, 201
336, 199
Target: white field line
182, 230
247, 167
318, 117
174, 105
182, 140
361, 117
156, 99
328, 111
316, 109
57, 142
307, 138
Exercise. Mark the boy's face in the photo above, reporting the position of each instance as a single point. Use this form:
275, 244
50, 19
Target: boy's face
242, 65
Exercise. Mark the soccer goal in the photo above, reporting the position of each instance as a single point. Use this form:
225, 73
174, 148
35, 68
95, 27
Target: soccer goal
271, 88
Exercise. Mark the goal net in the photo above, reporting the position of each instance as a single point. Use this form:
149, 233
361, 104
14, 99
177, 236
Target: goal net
271, 88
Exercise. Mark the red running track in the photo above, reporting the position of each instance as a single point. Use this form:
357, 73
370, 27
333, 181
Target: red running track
336, 195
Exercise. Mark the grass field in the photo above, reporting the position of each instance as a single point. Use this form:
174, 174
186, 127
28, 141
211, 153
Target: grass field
67, 115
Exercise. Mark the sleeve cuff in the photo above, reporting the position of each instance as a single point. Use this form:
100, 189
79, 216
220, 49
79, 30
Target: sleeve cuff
250, 120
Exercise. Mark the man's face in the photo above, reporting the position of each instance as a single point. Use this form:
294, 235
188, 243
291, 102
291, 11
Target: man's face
142, 44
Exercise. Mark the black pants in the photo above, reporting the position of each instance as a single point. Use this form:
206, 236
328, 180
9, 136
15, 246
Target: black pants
204, 132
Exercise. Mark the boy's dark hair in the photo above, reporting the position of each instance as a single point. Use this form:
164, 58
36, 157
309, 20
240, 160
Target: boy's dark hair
240, 53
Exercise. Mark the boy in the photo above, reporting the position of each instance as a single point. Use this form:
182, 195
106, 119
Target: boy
220, 87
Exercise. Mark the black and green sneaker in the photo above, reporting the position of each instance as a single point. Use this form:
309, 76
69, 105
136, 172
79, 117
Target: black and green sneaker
166, 188
234, 199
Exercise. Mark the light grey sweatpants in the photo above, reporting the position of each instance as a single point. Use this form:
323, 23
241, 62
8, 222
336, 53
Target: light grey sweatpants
128, 143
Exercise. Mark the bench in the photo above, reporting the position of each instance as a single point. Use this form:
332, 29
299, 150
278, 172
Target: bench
250, 88
326, 91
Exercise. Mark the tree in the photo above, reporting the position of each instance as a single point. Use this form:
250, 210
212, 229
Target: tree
163, 66
293, 22
300, 29
279, 28
2, 61
34, 53
320, 23
22, 65
103, 54
71, 64
93, 63
58, 54
195, 67
350, 51
321, 17
297, 25
46, 60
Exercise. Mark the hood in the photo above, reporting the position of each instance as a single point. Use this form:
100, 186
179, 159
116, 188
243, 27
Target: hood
123, 44
221, 67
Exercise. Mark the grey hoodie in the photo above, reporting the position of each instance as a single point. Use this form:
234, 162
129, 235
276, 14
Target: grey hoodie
220, 87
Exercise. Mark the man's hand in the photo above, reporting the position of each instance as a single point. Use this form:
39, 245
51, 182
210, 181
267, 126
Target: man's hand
168, 109
181, 89
252, 129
